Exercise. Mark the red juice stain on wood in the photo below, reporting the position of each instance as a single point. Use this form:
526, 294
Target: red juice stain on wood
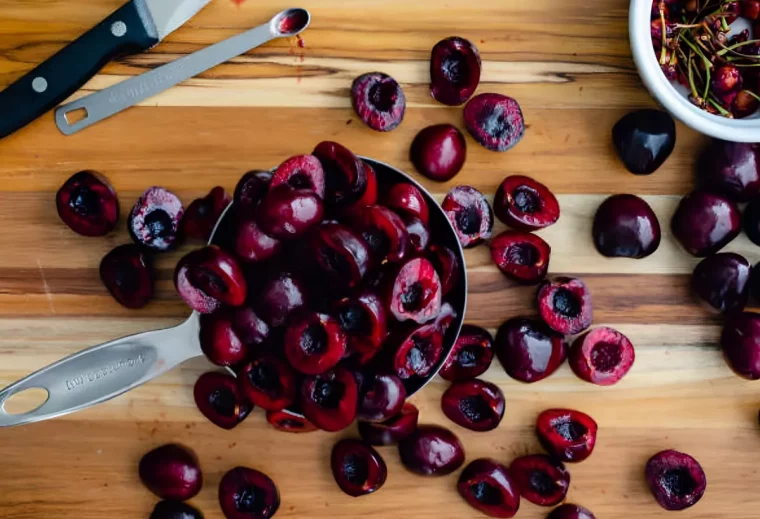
238, 2
301, 42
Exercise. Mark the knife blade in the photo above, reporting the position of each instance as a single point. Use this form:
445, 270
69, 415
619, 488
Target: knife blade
134, 27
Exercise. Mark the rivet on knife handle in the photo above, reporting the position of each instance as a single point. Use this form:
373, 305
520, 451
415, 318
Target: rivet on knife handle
113, 100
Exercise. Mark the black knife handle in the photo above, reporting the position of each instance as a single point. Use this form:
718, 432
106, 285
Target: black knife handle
127, 30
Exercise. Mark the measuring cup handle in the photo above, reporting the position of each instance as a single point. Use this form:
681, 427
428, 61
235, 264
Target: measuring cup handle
103, 372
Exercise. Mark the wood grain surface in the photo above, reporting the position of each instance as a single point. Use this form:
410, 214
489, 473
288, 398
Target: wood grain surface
568, 64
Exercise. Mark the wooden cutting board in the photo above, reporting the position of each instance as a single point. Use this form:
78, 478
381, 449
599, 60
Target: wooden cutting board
568, 64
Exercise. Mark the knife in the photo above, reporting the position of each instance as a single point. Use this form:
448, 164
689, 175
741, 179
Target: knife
135, 27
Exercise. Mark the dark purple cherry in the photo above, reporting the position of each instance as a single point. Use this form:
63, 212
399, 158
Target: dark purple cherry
751, 221
286, 421
495, 121
525, 204
174, 510
528, 349
219, 340
569, 511
346, 177
219, 399
364, 320
329, 400
407, 200
676, 480
722, 281
415, 293
127, 274
731, 169
540, 479
269, 382
419, 234
250, 191
470, 356
287, 213
416, 352
340, 254
280, 296
521, 256
358, 469
203, 213
381, 397
565, 305
454, 70
626, 227
741, 344
248, 494
726, 78
301, 172
171, 472
87, 203
644, 139
209, 277
314, 342
487, 487
567, 434
431, 451
383, 231
470, 214
474, 404
378, 101
155, 219
392, 430
253, 245
602, 356
704, 223
439, 152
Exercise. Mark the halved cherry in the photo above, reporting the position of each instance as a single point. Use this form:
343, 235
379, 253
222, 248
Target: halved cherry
364, 320
445, 318
417, 352
383, 230
254, 245
345, 175
329, 400
219, 340
470, 215
269, 383
218, 397
415, 293
381, 397
209, 277
471, 355
250, 191
287, 421
567, 434
340, 254
521, 256
203, 213
301, 172
393, 430
540, 479
248, 494
446, 264
474, 404
525, 204
358, 468
407, 200
370, 194
314, 342
486, 486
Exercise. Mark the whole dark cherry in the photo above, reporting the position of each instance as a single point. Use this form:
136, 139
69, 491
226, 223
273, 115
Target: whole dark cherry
431, 451
269, 382
470, 214
281, 295
525, 204
219, 399
407, 200
740, 341
454, 70
364, 320
470, 356
286, 421
174, 510
602, 356
250, 191
87, 203
155, 219
329, 400
540, 479
416, 350
301, 172
438, 152
314, 342
722, 282
487, 487
751, 221
219, 340
345, 175
731, 169
358, 469
248, 494
253, 245
127, 274
248, 326
209, 277
286, 213
415, 293
644, 139
171, 472
476, 404
381, 397
565, 305
529, 350
446, 264
705, 222
570, 511
378, 100
626, 227
495, 121
676, 480
521, 256
203, 213
392, 430
567, 434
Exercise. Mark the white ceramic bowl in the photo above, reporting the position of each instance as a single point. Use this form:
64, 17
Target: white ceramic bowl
669, 96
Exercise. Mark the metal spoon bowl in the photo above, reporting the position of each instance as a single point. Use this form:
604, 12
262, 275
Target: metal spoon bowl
108, 370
